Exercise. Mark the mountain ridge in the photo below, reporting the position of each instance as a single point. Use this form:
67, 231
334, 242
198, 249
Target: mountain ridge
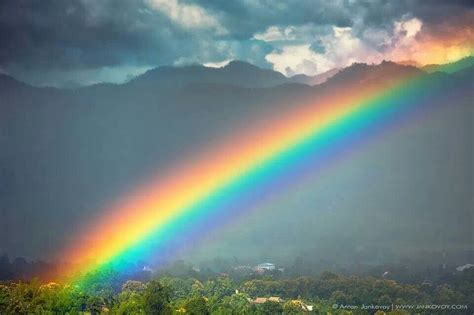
236, 73
247, 75
450, 67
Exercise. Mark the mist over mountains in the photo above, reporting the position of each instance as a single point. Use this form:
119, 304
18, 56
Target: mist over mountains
67, 154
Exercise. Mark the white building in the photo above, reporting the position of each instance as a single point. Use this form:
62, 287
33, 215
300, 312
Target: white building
266, 266
462, 268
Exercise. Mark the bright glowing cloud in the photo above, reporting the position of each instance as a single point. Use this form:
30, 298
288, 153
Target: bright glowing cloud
340, 47
218, 64
407, 40
187, 15
275, 33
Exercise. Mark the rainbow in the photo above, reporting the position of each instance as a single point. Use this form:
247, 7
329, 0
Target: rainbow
222, 181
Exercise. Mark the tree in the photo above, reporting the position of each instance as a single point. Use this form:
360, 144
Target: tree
293, 307
271, 308
239, 302
156, 298
339, 297
196, 306
446, 295
95, 304
4, 298
131, 300
133, 286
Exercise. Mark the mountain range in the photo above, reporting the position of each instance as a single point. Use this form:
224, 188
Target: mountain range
68, 153
244, 74
452, 67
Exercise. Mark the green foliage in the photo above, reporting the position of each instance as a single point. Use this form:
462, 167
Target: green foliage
271, 308
218, 288
181, 288
239, 302
156, 298
196, 306
222, 296
132, 286
4, 298
293, 307
131, 299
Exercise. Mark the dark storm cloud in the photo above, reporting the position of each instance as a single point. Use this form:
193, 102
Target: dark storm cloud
444, 16
437, 11
73, 35
247, 18
81, 34
87, 34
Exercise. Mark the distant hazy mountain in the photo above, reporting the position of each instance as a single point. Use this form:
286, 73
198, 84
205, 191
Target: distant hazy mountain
236, 73
67, 154
362, 73
8, 83
315, 79
409, 63
450, 67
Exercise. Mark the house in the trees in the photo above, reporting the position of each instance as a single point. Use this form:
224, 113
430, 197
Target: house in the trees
261, 268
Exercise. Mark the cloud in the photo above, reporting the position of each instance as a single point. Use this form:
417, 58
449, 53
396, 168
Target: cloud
218, 64
423, 43
60, 38
406, 39
275, 33
408, 27
81, 77
187, 15
77, 34
318, 47
341, 48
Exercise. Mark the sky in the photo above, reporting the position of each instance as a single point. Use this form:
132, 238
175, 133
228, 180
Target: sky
78, 42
